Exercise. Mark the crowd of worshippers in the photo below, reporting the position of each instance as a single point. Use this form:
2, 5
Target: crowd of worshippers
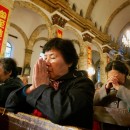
59, 91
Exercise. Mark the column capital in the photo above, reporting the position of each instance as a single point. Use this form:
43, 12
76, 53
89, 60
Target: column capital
106, 49
59, 19
28, 51
87, 36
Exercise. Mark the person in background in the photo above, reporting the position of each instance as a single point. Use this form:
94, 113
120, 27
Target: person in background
8, 78
115, 92
59, 91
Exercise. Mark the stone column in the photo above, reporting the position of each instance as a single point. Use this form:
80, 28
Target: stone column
57, 31
28, 54
103, 63
8, 4
27, 60
58, 21
88, 37
82, 64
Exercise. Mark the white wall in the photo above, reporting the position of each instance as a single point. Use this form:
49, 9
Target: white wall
35, 56
18, 47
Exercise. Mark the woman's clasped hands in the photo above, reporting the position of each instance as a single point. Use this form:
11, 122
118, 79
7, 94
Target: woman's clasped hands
40, 74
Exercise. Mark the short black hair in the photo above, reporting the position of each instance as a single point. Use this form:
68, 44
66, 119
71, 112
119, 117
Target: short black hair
9, 65
117, 65
66, 48
84, 72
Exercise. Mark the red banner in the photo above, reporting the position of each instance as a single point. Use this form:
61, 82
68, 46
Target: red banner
3, 20
59, 33
89, 54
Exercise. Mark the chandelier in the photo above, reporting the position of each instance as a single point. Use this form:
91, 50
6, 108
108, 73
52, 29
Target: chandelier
126, 39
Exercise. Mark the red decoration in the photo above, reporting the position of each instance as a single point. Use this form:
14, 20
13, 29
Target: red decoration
3, 20
89, 54
59, 33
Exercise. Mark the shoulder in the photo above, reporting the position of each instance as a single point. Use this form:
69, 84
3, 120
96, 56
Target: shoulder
16, 82
127, 83
82, 80
82, 75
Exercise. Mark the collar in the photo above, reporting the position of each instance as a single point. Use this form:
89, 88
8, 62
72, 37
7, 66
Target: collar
71, 75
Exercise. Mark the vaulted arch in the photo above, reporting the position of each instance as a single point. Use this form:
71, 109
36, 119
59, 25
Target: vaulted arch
125, 4
90, 8
24, 36
34, 35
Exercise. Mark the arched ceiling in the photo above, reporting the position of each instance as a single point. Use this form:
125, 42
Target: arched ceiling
107, 17
110, 15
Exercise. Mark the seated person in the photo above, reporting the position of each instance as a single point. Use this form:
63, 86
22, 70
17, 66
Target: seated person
115, 92
8, 78
59, 92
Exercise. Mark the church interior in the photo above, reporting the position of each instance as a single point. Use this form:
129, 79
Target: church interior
97, 27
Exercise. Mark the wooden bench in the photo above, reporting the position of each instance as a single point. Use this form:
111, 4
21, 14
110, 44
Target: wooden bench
22, 121
114, 116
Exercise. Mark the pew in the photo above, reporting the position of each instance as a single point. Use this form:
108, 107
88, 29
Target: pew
114, 116
22, 121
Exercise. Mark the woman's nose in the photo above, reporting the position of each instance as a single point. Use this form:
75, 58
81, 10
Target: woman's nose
47, 61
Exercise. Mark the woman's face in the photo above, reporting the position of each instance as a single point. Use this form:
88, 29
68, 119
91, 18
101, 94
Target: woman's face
114, 73
3, 75
57, 67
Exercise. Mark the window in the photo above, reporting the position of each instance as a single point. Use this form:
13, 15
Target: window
98, 74
8, 50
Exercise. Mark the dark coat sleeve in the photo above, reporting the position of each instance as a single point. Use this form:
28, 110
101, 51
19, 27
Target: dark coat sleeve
68, 100
16, 102
71, 104
7, 88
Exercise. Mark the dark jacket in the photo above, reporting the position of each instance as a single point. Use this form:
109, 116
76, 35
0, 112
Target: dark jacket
71, 104
7, 87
